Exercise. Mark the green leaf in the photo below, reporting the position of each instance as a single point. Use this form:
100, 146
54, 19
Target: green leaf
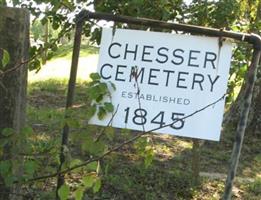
93, 92
103, 88
101, 113
5, 58
3, 142
7, 132
95, 76
99, 98
75, 162
97, 186
27, 131
35, 65
44, 20
108, 107
73, 123
91, 111
64, 192
92, 166
30, 167
6, 172
78, 194
88, 181
94, 148
55, 25
5, 167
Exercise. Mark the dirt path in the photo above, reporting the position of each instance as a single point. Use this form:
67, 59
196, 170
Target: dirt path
60, 69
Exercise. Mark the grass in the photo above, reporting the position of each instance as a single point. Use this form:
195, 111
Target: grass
124, 173
65, 51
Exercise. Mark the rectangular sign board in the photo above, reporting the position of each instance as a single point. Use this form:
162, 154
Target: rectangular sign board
175, 75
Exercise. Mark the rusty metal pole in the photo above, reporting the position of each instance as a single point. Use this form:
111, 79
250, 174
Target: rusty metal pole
70, 97
250, 82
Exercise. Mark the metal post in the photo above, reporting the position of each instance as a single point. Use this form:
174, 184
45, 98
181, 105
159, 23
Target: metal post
251, 38
250, 82
69, 100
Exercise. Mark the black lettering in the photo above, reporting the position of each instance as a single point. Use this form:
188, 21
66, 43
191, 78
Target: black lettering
212, 82
162, 55
101, 71
165, 99
192, 58
172, 100
123, 94
130, 51
151, 76
186, 101
144, 52
180, 79
211, 59
109, 50
141, 96
181, 59
199, 81
118, 72
130, 95
168, 73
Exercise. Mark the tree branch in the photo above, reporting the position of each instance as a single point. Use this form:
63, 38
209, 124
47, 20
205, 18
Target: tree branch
121, 145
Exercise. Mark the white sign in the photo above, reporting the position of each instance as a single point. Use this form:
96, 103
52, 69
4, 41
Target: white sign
176, 75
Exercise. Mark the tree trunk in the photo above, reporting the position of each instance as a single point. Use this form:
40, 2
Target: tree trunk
14, 38
254, 119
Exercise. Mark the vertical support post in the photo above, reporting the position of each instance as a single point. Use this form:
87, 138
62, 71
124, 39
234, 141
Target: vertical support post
14, 38
195, 161
250, 82
69, 100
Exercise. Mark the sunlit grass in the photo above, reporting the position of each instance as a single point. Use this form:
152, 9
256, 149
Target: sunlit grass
65, 51
60, 65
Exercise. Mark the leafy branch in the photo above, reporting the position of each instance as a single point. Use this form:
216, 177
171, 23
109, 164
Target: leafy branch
116, 148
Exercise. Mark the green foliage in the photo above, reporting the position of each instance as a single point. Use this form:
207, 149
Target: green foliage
145, 149
3, 3
16, 142
4, 58
6, 171
88, 181
255, 187
97, 185
64, 192
97, 93
93, 147
78, 194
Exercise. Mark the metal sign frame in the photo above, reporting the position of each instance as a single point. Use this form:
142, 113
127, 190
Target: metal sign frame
253, 39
